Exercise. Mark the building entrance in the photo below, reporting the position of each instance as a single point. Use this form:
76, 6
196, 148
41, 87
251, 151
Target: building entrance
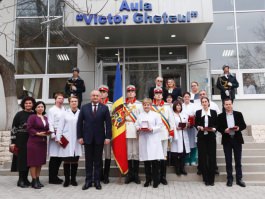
140, 67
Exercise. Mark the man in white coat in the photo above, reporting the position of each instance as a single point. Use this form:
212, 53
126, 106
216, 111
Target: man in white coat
132, 109
104, 99
167, 130
149, 125
54, 115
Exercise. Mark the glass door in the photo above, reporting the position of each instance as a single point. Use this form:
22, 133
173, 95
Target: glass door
176, 72
142, 75
105, 74
199, 71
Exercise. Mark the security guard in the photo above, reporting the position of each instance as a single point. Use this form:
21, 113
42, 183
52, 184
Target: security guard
75, 86
132, 109
104, 91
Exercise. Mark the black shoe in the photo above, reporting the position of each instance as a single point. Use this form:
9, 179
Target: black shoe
86, 185
147, 183
206, 183
66, 183
229, 183
73, 182
59, 179
55, 181
241, 183
34, 184
39, 183
183, 172
98, 185
199, 172
27, 182
216, 172
212, 184
155, 185
106, 179
129, 178
163, 181
22, 184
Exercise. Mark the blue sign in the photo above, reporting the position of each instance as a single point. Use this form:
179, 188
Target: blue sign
140, 16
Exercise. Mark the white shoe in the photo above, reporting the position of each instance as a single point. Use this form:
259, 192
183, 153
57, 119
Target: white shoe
193, 164
187, 164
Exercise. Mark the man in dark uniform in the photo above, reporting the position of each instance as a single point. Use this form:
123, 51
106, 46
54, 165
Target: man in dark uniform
227, 84
75, 86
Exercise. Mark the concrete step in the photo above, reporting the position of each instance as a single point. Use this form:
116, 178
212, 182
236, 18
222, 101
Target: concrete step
248, 145
245, 152
245, 159
258, 177
248, 167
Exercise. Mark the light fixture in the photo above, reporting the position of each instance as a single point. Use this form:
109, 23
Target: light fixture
62, 57
107, 37
173, 36
228, 53
170, 53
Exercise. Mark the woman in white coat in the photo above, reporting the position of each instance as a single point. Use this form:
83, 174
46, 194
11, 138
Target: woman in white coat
180, 143
71, 153
190, 109
148, 126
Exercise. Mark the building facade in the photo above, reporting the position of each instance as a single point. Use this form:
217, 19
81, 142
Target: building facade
184, 40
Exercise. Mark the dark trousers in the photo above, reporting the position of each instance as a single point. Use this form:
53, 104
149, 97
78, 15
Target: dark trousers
152, 171
54, 165
230, 146
93, 156
207, 156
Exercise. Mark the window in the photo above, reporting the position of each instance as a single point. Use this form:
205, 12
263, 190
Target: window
62, 60
42, 62
250, 4
254, 83
251, 26
173, 53
56, 85
223, 5
109, 55
141, 54
32, 8
136, 74
30, 61
30, 33
29, 87
251, 56
222, 54
223, 28
59, 36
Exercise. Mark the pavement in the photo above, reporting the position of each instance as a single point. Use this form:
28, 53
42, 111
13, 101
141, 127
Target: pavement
116, 189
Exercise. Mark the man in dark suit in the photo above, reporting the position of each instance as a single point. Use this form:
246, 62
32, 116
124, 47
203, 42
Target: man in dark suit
93, 130
159, 84
231, 123
227, 85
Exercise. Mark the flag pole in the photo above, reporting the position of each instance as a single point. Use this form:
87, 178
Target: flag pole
119, 179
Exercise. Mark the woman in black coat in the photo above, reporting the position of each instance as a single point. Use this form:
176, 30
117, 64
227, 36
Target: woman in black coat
206, 123
173, 90
19, 139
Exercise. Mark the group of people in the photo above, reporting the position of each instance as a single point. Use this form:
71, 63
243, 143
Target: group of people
166, 126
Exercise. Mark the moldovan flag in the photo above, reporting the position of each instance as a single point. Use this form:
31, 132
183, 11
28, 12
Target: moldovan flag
118, 125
